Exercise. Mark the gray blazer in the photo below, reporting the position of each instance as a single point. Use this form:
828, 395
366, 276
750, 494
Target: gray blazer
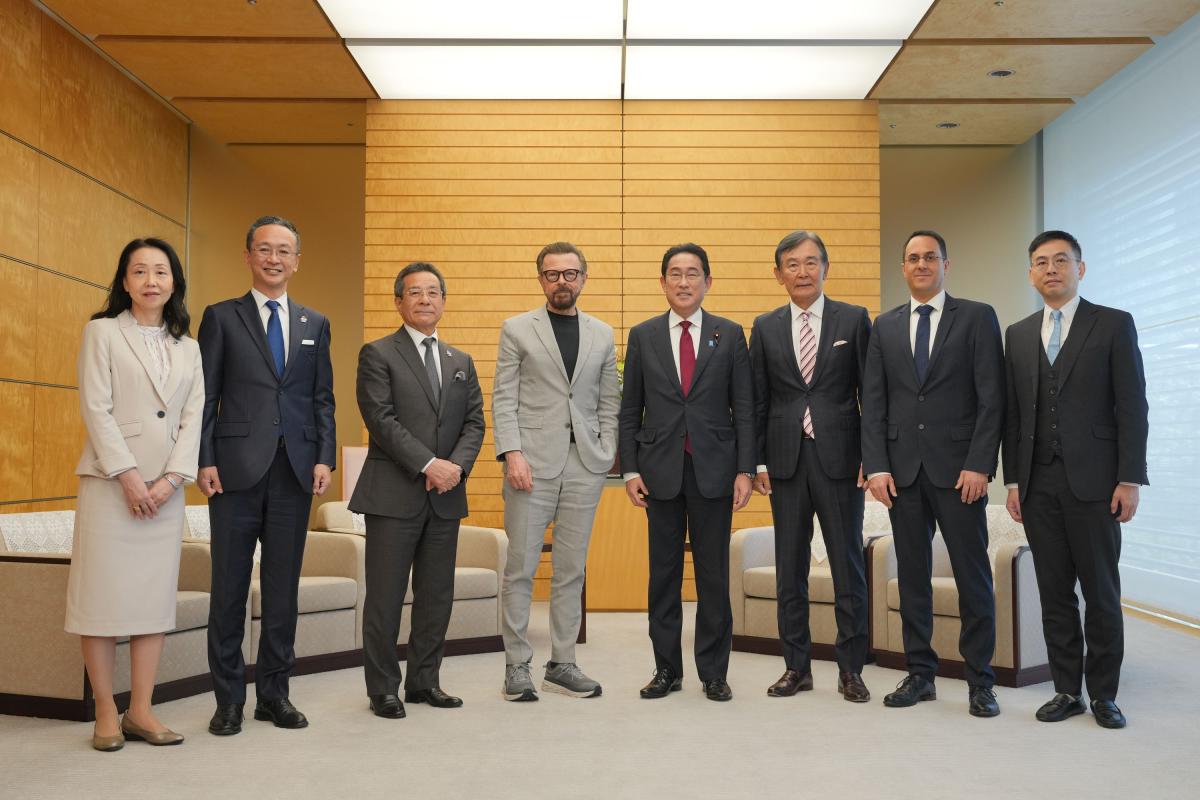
407, 429
535, 409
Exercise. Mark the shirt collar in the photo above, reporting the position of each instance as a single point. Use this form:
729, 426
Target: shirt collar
261, 299
937, 301
1068, 311
817, 309
419, 338
674, 319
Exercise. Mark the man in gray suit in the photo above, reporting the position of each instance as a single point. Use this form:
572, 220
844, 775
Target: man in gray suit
554, 406
423, 409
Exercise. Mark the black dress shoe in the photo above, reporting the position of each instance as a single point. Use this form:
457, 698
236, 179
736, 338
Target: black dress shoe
281, 712
1107, 714
718, 689
387, 706
434, 696
1060, 707
852, 688
983, 702
789, 683
910, 691
662, 684
227, 721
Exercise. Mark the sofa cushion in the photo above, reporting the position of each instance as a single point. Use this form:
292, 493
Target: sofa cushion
191, 610
38, 531
760, 582
470, 583
316, 594
945, 596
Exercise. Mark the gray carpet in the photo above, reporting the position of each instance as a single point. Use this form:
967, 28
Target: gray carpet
619, 746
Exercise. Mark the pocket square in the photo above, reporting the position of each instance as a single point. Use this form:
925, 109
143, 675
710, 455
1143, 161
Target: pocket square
460, 376
840, 342
308, 341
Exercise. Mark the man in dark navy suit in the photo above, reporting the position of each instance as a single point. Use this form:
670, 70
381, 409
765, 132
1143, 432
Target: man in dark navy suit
933, 412
266, 447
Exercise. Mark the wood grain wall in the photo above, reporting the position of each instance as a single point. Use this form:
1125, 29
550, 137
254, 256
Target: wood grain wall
479, 187
88, 161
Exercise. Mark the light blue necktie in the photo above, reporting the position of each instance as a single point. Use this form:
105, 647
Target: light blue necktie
275, 336
1055, 336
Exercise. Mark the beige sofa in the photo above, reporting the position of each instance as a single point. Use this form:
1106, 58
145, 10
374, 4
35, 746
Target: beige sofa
1020, 658
752, 586
479, 568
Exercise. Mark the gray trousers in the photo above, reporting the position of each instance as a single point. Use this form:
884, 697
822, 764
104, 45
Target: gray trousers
569, 501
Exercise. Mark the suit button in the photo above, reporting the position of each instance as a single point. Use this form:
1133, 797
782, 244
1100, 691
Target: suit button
1053, 408
1053, 426
162, 414
568, 426
275, 421
1031, 437
921, 427
570, 395
1053, 392
921, 398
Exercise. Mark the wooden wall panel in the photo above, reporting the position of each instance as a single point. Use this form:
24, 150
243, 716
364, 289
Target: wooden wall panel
18, 199
21, 70
60, 326
16, 441
18, 320
58, 434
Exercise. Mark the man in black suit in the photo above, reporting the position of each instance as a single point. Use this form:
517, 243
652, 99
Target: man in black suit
687, 452
1074, 458
266, 447
423, 409
933, 412
808, 358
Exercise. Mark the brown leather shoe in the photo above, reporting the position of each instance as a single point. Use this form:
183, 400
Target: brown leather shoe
852, 688
791, 682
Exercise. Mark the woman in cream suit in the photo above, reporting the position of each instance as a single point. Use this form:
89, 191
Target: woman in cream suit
141, 393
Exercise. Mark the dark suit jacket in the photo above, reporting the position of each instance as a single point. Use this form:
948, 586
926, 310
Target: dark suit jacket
950, 423
407, 429
718, 412
781, 395
1102, 411
247, 407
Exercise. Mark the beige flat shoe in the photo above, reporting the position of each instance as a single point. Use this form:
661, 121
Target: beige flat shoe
107, 744
136, 734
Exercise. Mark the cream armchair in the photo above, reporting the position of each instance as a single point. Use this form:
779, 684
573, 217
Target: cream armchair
1020, 658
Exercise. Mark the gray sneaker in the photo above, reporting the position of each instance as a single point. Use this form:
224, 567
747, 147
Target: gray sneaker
569, 679
518, 684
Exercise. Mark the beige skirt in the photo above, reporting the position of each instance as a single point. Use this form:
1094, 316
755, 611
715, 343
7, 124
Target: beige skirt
124, 571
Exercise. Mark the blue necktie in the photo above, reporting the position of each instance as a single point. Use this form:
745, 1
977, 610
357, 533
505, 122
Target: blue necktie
921, 347
1055, 343
275, 336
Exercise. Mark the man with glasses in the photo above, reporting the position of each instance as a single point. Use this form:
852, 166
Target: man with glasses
687, 456
267, 445
423, 409
1074, 459
932, 416
554, 408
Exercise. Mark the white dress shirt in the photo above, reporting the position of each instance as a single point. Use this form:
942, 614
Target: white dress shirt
264, 314
419, 340
1068, 314
815, 312
938, 302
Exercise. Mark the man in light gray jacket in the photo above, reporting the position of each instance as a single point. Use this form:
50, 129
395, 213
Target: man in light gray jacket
554, 408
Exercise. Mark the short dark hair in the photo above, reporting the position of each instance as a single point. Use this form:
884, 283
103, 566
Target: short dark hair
175, 313
1052, 236
560, 248
794, 240
415, 267
269, 220
931, 234
686, 247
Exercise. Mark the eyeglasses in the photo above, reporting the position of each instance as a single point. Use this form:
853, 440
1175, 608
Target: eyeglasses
928, 258
1060, 262
691, 276
417, 294
568, 275
283, 253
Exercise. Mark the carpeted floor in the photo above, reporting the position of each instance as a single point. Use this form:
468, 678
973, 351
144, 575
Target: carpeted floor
619, 746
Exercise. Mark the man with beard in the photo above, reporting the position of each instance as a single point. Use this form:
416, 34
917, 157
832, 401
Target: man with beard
554, 408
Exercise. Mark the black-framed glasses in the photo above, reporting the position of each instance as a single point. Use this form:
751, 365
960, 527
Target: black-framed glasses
568, 275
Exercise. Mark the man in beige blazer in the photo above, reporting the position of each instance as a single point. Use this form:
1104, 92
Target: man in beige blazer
554, 408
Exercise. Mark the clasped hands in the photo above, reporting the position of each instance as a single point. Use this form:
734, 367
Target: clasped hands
144, 500
636, 489
442, 475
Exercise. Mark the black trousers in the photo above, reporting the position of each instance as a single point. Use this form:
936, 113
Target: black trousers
425, 544
914, 511
1074, 540
838, 504
275, 512
706, 523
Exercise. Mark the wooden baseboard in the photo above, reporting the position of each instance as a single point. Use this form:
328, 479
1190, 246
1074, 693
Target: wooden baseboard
947, 668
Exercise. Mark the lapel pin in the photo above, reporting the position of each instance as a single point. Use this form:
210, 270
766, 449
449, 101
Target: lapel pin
303, 318
711, 343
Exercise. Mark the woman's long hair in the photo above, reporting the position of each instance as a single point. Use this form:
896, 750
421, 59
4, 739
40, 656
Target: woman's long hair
175, 313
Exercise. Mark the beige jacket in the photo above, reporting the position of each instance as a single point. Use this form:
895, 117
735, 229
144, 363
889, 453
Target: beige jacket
130, 422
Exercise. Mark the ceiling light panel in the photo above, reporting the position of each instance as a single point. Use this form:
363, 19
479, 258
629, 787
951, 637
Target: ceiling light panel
498, 72
762, 72
774, 19
475, 19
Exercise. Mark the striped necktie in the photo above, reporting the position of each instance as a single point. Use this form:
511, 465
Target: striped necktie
807, 356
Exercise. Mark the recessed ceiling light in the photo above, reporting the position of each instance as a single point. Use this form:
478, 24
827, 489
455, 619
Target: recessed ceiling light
947, 125
771, 19
475, 19
1002, 73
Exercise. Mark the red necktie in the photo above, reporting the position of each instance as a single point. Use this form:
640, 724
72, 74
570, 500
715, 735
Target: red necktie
687, 367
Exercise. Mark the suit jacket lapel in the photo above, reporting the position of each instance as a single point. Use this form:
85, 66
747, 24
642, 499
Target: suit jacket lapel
175, 376
408, 351
541, 326
661, 341
248, 311
297, 328
710, 341
784, 320
585, 345
450, 365
137, 344
949, 309
825, 344
1081, 326
1028, 338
